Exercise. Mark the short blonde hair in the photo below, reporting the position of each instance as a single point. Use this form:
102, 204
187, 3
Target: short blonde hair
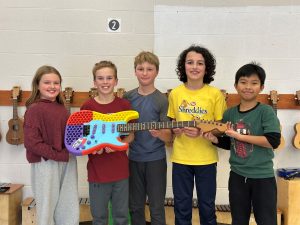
105, 64
148, 57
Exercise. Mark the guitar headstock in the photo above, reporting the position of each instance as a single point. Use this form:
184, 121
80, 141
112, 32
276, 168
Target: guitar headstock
298, 97
274, 97
120, 92
16, 93
213, 126
68, 94
93, 92
225, 94
168, 92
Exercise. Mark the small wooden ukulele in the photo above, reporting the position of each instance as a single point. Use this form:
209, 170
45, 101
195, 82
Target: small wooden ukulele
68, 94
225, 94
296, 139
120, 92
15, 135
274, 100
93, 92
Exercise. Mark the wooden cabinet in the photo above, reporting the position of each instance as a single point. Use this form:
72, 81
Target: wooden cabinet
10, 205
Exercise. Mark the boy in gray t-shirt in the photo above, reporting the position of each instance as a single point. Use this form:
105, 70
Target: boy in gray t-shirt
147, 153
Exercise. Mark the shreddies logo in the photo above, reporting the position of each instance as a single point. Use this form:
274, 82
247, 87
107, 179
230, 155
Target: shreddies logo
191, 108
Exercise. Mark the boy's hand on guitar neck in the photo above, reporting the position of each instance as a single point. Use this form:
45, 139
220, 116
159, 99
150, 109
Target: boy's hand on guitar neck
106, 149
213, 138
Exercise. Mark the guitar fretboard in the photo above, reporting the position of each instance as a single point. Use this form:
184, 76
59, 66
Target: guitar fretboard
15, 110
155, 125
275, 108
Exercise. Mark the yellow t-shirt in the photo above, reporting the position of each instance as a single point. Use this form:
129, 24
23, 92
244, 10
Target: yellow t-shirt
207, 103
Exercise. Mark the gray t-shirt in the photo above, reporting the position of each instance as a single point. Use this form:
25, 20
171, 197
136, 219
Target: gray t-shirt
151, 108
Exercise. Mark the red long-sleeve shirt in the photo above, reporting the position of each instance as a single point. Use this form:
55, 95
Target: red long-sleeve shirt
44, 128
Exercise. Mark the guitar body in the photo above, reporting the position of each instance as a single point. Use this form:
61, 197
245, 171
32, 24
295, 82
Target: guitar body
296, 139
89, 131
15, 134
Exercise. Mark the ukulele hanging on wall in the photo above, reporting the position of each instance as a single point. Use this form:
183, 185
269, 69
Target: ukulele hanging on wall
93, 92
296, 139
68, 94
15, 135
120, 92
274, 100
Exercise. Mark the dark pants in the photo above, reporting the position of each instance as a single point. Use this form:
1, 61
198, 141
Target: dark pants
259, 194
183, 185
147, 179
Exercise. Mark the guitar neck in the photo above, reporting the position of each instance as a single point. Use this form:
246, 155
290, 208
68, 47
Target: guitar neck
155, 125
275, 108
15, 109
68, 105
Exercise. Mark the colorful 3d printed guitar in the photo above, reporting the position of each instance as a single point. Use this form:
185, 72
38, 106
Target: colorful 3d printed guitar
88, 131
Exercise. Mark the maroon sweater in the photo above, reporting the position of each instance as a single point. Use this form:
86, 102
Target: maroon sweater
44, 128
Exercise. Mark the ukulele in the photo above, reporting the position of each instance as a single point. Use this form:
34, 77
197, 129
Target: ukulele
225, 94
68, 94
274, 100
15, 135
93, 92
120, 92
88, 131
296, 139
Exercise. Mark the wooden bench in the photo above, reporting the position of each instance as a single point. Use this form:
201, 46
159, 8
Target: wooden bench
222, 213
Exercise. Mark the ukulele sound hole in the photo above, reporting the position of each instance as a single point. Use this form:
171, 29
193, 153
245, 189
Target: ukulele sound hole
15, 127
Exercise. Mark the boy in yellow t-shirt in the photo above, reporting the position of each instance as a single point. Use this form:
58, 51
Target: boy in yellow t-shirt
193, 157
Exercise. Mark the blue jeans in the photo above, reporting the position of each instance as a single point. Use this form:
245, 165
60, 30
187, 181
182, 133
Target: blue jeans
183, 184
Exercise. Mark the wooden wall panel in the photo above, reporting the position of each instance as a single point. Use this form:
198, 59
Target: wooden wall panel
285, 101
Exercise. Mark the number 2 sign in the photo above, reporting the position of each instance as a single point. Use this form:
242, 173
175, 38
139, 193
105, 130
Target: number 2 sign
114, 25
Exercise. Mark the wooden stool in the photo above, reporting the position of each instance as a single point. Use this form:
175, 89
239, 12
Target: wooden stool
288, 197
10, 202
29, 211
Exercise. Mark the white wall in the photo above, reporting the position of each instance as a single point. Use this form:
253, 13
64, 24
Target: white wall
237, 32
72, 36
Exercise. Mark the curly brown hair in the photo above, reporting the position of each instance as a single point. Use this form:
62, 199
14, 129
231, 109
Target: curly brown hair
210, 63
